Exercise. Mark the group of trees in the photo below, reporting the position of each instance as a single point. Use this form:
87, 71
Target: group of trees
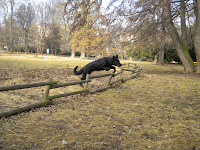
31, 27
85, 29
157, 24
145, 29
62, 26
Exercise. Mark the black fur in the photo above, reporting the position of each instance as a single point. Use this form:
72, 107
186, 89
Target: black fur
105, 63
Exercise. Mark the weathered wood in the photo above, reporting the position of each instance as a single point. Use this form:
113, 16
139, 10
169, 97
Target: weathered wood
46, 93
68, 84
68, 94
111, 76
135, 75
102, 75
121, 74
24, 86
124, 80
114, 82
128, 69
86, 84
116, 74
105, 75
25, 108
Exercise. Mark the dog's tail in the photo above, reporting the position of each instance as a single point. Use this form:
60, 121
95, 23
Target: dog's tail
77, 72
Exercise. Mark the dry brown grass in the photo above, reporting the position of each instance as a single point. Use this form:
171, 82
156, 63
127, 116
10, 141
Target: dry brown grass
158, 110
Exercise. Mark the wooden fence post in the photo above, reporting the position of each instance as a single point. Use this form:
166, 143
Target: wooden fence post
122, 79
46, 93
86, 84
109, 81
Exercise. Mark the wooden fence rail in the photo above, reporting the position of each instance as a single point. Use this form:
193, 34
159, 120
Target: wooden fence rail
53, 84
68, 84
24, 86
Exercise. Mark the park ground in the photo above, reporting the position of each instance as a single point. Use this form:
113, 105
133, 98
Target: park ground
158, 110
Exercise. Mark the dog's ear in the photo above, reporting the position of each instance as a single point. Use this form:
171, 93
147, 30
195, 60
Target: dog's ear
117, 56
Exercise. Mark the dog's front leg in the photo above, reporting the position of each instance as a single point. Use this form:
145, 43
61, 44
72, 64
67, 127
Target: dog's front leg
105, 68
112, 67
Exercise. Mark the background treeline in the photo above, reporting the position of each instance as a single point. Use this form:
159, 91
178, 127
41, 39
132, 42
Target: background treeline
32, 27
160, 30
150, 30
62, 27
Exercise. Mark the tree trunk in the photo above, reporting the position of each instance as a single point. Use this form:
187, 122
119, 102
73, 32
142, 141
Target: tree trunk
179, 45
55, 52
73, 54
197, 34
156, 58
183, 23
161, 56
26, 41
82, 54
11, 25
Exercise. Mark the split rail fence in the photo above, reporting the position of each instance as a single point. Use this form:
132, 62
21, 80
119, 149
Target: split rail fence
135, 71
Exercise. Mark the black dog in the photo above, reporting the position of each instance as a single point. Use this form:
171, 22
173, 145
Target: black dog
105, 63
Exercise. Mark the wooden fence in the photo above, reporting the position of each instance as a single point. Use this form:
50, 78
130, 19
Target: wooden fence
135, 70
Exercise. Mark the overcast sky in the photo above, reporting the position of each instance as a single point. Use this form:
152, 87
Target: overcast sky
104, 2
36, 2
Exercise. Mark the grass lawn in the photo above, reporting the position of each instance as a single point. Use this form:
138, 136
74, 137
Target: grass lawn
158, 110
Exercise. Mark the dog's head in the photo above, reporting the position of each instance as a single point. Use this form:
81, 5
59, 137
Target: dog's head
116, 61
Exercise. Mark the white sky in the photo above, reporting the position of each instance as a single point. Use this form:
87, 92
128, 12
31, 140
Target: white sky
104, 2
35, 2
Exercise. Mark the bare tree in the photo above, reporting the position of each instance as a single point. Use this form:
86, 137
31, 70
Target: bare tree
77, 13
6, 11
25, 16
3, 15
11, 25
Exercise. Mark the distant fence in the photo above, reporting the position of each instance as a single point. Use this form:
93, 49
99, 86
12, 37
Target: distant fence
135, 70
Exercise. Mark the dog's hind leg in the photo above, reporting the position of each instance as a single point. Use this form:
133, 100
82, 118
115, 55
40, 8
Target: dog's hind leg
83, 78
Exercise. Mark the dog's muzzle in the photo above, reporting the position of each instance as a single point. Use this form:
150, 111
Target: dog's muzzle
119, 65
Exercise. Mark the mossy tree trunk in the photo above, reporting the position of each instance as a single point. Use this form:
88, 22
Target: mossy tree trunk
179, 45
197, 34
